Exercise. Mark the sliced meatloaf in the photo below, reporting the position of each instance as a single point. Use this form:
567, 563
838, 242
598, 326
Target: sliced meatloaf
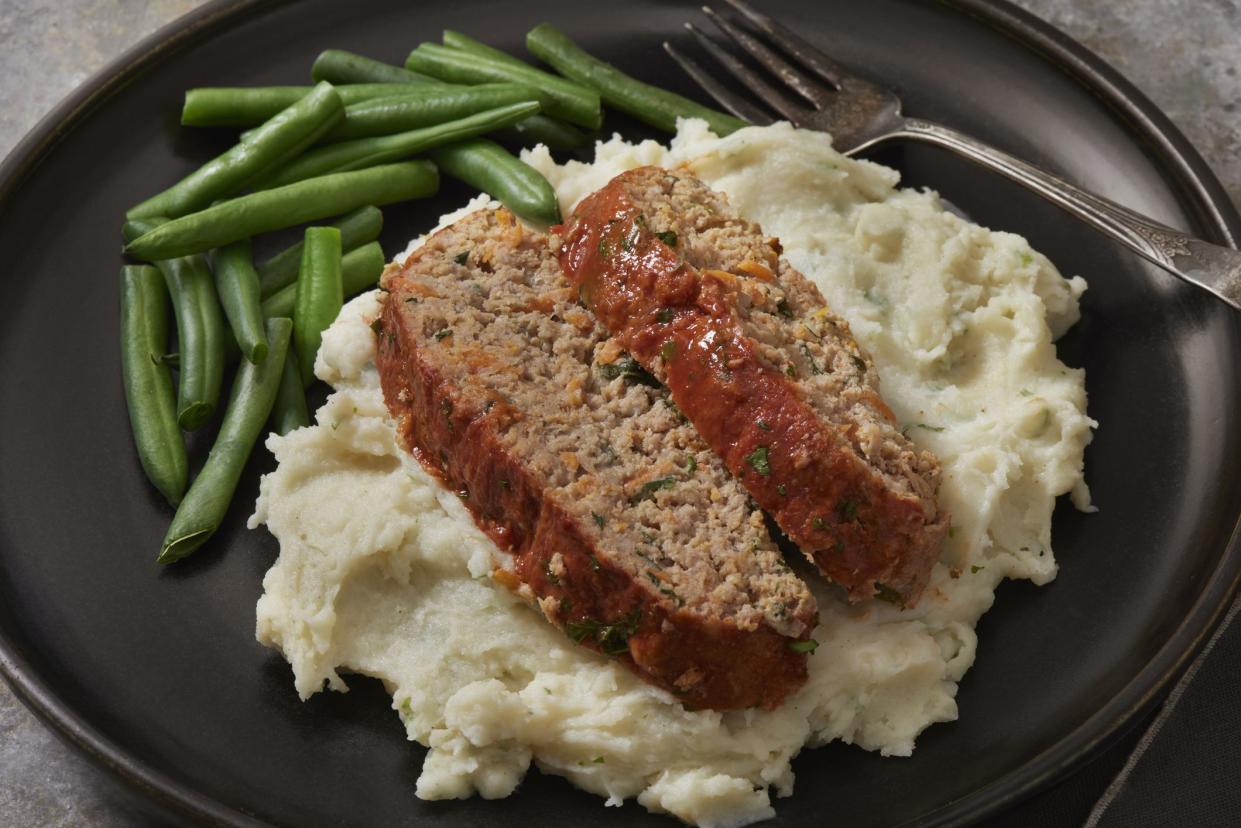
772, 380
616, 518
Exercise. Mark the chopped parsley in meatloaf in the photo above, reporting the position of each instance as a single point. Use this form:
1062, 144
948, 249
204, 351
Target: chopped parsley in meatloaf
773, 381
618, 521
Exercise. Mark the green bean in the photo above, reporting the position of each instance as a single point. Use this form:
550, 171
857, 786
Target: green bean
422, 106
305, 201
281, 138
148, 383
343, 67
249, 404
200, 330
290, 410
534, 129
356, 229
537, 129
649, 104
457, 40
340, 67
491, 168
426, 107
246, 106
237, 284
367, 152
320, 295
359, 269
570, 101
540, 129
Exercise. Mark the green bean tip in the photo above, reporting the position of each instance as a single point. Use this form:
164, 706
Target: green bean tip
174, 550
194, 416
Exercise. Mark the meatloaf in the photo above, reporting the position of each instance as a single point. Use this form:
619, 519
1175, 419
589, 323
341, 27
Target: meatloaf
773, 381
615, 517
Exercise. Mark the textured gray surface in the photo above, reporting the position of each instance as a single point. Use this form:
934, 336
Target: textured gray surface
1185, 54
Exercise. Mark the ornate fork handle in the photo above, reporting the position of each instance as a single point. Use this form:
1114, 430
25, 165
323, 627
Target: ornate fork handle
1216, 268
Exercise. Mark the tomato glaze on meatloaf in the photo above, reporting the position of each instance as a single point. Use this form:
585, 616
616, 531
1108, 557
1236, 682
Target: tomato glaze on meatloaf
614, 517
773, 381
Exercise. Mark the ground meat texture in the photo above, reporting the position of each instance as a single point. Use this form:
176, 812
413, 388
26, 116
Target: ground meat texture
773, 381
614, 516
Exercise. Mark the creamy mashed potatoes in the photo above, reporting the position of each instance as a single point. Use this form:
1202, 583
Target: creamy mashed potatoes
383, 572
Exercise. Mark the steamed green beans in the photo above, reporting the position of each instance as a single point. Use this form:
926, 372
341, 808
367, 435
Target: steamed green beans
237, 284
148, 383
537, 129
341, 67
200, 331
320, 295
423, 107
290, 410
305, 201
491, 168
356, 229
367, 152
249, 404
247, 106
458, 40
650, 104
359, 269
570, 101
540, 129
346, 68
414, 107
279, 139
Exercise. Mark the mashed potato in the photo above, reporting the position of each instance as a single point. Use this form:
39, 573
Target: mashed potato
382, 572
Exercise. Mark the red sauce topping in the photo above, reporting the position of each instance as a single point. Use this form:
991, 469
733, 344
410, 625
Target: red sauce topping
681, 324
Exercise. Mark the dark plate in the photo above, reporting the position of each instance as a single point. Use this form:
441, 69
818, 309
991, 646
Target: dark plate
155, 672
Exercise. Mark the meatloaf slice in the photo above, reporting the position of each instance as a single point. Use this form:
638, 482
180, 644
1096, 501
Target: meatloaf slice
773, 380
617, 520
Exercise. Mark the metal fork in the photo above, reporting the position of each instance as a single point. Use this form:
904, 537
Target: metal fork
860, 113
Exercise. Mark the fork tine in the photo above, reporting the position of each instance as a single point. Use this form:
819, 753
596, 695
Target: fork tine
805, 86
766, 92
795, 45
734, 103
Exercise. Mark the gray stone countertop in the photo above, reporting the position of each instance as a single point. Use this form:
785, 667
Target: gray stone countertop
1184, 54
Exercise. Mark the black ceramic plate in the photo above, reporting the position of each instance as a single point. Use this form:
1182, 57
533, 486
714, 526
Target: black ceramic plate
155, 672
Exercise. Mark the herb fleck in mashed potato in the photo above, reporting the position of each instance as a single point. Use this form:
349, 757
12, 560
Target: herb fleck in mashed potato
383, 572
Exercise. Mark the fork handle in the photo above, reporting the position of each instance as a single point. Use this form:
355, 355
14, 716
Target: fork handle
1210, 266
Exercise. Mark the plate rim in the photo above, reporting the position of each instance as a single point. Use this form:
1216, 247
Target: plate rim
1181, 164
